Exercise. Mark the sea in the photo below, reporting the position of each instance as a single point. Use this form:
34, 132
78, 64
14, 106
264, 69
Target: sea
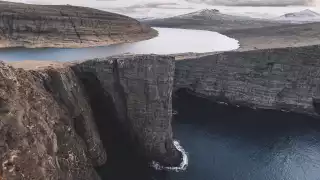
233, 143
222, 142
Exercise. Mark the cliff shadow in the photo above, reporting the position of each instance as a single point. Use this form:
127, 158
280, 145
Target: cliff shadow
232, 120
123, 160
226, 141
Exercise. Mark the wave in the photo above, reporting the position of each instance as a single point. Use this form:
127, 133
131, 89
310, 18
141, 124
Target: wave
183, 165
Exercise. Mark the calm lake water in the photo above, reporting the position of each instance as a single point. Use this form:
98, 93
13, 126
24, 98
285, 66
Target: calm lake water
169, 41
230, 143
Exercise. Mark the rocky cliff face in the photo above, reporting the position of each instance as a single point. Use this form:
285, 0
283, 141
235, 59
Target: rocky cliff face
65, 26
284, 79
140, 88
54, 121
38, 136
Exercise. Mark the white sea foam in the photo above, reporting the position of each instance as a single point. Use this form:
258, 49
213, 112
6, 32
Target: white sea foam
183, 165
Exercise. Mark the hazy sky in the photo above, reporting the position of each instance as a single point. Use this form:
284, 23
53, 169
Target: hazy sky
167, 8
123, 3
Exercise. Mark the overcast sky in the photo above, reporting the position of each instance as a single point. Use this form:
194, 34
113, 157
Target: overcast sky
124, 3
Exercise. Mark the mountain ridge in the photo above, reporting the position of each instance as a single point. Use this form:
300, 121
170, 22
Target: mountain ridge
212, 19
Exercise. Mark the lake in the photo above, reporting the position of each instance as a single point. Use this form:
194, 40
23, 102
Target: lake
169, 41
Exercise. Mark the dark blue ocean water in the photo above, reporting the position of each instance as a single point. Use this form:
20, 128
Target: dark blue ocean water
230, 143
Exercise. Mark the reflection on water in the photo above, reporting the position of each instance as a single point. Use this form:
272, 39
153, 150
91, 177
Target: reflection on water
169, 41
226, 142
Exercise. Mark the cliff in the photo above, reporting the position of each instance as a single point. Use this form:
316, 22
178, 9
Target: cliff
61, 121
284, 79
26, 25
55, 121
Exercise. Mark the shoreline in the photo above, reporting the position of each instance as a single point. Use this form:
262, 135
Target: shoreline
250, 32
120, 40
250, 41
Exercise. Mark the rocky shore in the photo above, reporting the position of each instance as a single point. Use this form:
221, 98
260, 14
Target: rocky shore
66, 26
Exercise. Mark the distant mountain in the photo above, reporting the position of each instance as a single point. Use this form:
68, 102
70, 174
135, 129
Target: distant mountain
301, 16
212, 14
210, 19
205, 13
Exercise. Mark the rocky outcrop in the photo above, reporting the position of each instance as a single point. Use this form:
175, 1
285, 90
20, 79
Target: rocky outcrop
38, 137
54, 121
283, 79
29, 25
140, 88
69, 93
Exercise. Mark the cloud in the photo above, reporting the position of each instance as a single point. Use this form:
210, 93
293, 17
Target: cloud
256, 2
155, 3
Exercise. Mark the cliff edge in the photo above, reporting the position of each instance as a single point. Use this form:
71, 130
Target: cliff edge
58, 121
284, 79
28, 25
